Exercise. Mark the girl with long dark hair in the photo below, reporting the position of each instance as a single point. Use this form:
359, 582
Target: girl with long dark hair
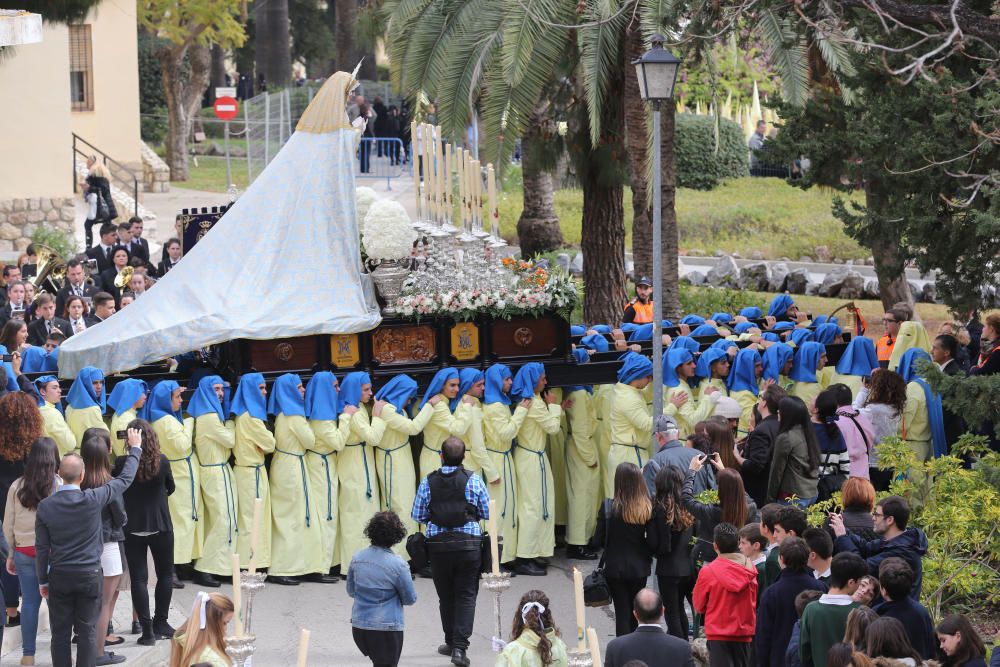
882, 401
886, 638
534, 637
668, 536
149, 528
733, 506
795, 465
96, 455
38, 482
621, 532
718, 429
834, 458
961, 645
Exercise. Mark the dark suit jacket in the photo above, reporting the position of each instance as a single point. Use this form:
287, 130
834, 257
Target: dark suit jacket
68, 524
108, 285
96, 252
37, 334
92, 320
5, 314
146, 501
165, 266
651, 645
757, 453
63, 296
954, 425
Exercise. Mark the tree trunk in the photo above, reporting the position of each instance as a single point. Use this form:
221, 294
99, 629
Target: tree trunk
278, 66
637, 127
262, 46
346, 11
538, 227
603, 228
218, 77
669, 238
890, 265
183, 99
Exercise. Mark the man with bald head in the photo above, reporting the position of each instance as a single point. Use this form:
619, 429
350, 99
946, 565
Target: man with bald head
648, 643
68, 550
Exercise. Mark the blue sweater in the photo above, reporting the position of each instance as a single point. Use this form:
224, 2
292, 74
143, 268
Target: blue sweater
917, 622
776, 616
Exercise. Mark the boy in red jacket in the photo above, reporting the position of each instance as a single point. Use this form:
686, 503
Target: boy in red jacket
726, 595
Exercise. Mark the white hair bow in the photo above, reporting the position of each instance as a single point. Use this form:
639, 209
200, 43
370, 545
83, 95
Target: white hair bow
200, 600
528, 607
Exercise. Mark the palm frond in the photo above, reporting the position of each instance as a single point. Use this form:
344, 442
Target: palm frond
528, 33
600, 45
788, 55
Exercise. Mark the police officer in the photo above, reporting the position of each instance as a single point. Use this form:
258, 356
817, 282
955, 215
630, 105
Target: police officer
640, 309
452, 501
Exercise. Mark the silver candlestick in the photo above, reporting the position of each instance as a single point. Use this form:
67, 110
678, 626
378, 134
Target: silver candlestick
240, 649
250, 584
497, 584
579, 659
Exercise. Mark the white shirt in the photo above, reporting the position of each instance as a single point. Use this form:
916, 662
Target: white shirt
78, 325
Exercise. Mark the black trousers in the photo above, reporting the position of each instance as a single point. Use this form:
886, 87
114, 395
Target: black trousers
383, 647
162, 547
673, 590
623, 592
455, 570
728, 654
74, 604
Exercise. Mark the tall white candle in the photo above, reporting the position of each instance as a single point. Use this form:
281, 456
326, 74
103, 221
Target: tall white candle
237, 597
477, 174
416, 169
581, 618
470, 188
258, 508
491, 193
303, 648
428, 171
595, 647
439, 174
449, 204
494, 544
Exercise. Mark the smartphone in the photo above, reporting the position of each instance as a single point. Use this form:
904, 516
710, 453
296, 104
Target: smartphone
122, 435
8, 358
703, 458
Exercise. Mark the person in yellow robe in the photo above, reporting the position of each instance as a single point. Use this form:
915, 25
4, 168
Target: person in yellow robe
126, 400
448, 419
253, 442
86, 403
555, 449
679, 402
499, 430
296, 524
331, 430
778, 359
602, 413
163, 412
53, 423
536, 536
583, 472
472, 386
631, 421
810, 359
857, 362
214, 439
911, 335
922, 425
359, 494
712, 370
393, 455
744, 384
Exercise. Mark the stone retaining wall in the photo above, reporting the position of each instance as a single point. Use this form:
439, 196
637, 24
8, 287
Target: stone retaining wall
155, 172
19, 218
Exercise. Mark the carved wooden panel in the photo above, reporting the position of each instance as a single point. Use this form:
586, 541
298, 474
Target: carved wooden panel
415, 344
525, 337
281, 354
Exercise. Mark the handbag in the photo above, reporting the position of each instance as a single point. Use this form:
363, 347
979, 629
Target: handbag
416, 548
596, 592
829, 484
103, 212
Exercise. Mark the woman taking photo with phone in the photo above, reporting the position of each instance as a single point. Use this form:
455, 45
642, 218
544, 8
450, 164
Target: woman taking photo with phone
733, 506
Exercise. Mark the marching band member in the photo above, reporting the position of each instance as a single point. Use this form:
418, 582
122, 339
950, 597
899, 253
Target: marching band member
331, 430
86, 403
54, 424
253, 443
126, 400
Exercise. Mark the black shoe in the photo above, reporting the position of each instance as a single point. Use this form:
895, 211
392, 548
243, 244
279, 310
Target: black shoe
335, 571
508, 568
580, 553
14, 621
529, 568
320, 578
283, 581
147, 638
184, 572
177, 583
425, 572
162, 630
136, 628
444, 649
109, 658
205, 579
114, 642
541, 561
459, 658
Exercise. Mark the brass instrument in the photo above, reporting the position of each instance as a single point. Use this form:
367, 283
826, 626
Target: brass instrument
125, 277
50, 272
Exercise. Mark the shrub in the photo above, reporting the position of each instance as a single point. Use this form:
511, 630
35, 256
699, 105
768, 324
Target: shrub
61, 242
153, 125
699, 164
707, 300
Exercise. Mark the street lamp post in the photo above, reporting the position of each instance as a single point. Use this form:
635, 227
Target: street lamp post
656, 70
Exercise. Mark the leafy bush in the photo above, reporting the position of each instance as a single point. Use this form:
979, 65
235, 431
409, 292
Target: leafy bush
153, 125
61, 242
699, 164
707, 300
151, 94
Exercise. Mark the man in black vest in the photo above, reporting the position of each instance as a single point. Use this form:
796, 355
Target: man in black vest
452, 501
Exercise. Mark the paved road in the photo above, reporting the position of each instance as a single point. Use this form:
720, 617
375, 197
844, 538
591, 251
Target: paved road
280, 612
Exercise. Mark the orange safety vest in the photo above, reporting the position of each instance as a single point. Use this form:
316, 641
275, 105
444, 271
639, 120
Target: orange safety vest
643, 311
883, 348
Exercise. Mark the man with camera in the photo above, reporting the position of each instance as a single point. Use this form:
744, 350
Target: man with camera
452, 501
68, 550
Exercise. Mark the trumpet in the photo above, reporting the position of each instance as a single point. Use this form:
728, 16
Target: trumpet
125, 277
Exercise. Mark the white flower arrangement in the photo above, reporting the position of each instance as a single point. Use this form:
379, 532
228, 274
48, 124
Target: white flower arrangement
387, 232
364, 198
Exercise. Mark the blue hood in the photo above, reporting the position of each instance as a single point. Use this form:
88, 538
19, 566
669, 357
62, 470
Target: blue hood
799, 336
642, 332
685, 343
722, 318
437, 384
859, 357
775, 359
779, 306
321, 397
285, 398
526, 380
125, 394
674, 357
581, 356
935, 411
247, 398
204, 399
158, 403
752, 312
826, 333
704, 368
577, 330
806, 362
692, 320
743, 374
397, 391
771, 337
704, 330
350, 389
595, 342
743, 327
602, 328
634, 367
495, 375
466, 378
783, 326
81, 395
33, 360
724, 344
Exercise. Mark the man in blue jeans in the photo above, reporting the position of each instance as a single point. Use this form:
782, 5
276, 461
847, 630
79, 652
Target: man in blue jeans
452, 501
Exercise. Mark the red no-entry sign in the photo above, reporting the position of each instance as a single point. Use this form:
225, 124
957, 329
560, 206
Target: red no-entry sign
226, 108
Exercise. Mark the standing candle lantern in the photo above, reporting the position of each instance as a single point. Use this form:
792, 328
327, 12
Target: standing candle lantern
581, 619
303, 648
258, 508
237, 597
494, 543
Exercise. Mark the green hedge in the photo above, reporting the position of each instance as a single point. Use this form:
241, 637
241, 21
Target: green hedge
699, 166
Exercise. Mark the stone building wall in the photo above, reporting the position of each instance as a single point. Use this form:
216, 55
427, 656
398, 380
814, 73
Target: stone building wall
19, 218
